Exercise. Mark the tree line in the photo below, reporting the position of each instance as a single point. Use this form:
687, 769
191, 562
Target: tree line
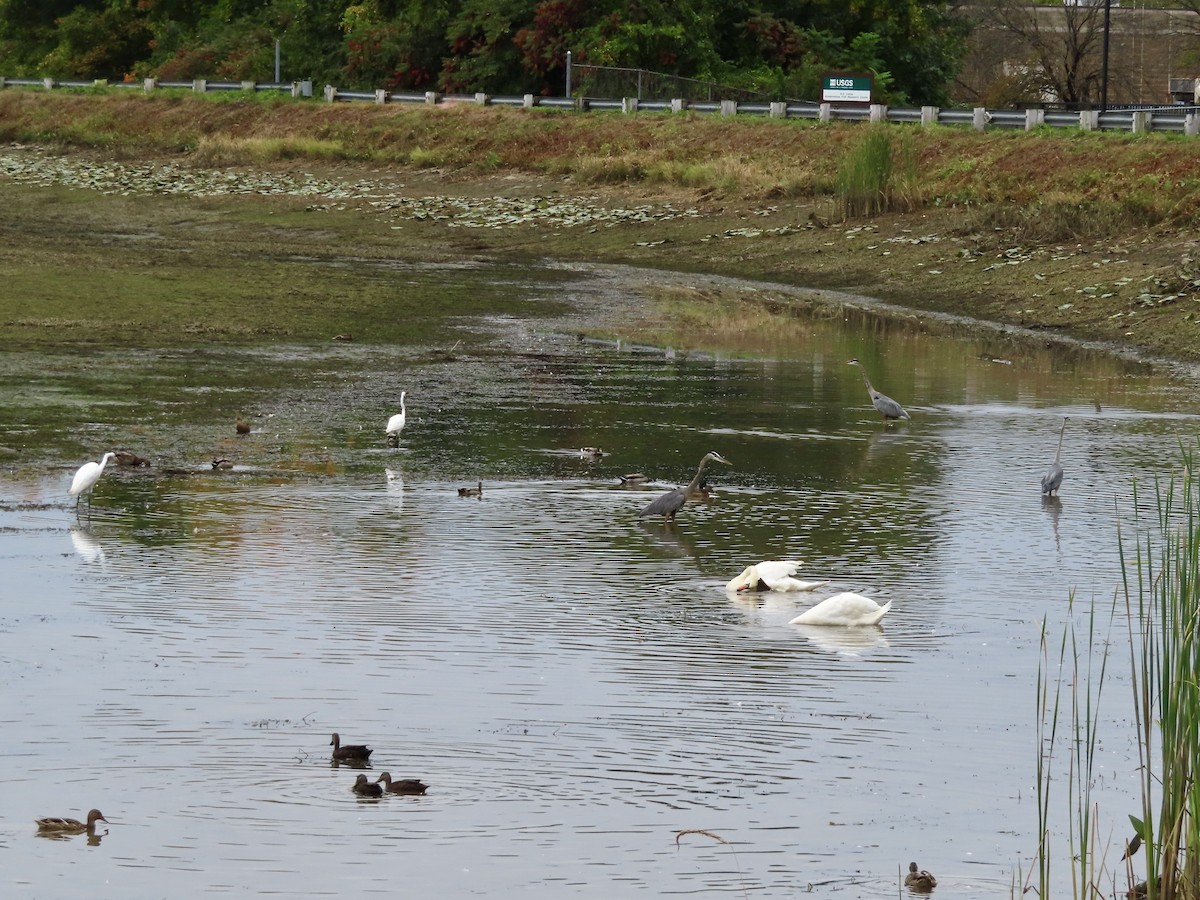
914, 48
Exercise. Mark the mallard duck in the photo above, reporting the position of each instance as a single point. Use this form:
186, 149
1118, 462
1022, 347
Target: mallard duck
365, 788
634, 478
402, 785
349, 753
919, 881
844, 609
591, 452
672, 501
242, 426
476, 491
772, 575
54, 825
129, 458
222, 463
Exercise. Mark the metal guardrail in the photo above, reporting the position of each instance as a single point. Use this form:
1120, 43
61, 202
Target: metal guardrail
1170, 119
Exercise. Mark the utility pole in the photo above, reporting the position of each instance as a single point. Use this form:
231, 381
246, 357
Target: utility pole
1104, 58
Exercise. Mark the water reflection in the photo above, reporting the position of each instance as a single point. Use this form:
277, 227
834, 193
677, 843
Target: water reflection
548, 651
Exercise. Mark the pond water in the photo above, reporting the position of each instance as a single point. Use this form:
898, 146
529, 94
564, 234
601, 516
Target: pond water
572, 681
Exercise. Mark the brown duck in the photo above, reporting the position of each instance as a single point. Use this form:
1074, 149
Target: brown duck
55, 825
476, 491
365, 788
350, 753
921, 881
402, 785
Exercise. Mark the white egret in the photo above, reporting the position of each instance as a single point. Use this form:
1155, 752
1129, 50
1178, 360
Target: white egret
85, 479
396, 424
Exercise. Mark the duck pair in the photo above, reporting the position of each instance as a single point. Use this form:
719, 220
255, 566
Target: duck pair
384, 784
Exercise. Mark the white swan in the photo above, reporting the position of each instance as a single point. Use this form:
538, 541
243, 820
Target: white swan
772, 575
844, 609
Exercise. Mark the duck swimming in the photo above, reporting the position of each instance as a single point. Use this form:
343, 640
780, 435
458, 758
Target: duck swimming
919, 881
55, 825
476, 491
402, 785
365, 788
349, 753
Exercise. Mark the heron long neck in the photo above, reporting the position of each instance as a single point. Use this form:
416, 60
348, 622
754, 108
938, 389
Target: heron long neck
695, 485
1062, 431
866, 380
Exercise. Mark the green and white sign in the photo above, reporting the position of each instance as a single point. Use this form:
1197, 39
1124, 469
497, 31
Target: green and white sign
837, 88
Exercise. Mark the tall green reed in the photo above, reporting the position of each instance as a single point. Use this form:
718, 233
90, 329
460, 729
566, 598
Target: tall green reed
1163, 605
879, 174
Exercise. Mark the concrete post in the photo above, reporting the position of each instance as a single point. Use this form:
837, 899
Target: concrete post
1141, 121
432, 98
582, 104
1, 82
878, 113
979, 118
149, 84
929, 116
100, 82
1191, 124
306, 89
381, 96
48, 83
729, 107
1089, 119
330, 93
826, 113
249, 86
1034, 118
629, 105
199, 86
482, 99
678, 105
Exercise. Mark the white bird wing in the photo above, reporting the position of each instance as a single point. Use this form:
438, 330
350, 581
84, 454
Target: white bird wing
395, 423
775, 571
88, 474
844, 609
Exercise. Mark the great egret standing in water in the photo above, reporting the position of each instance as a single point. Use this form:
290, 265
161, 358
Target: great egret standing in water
85, 479
888, 408
1052, 480
672, 501
396, 424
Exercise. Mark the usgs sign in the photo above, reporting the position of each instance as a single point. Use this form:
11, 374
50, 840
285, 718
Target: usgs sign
838, 87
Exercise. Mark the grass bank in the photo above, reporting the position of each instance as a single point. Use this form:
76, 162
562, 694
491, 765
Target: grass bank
1091, 235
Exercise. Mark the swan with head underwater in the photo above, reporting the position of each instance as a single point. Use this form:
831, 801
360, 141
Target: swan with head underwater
845, 609
671, 502
771, 575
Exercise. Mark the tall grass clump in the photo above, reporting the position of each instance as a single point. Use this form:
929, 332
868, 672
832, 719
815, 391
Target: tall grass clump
1080, 668
1162, 591
879, 174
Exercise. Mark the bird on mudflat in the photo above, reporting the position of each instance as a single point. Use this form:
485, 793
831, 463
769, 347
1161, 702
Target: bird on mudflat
86, 477
885, 405
668, 504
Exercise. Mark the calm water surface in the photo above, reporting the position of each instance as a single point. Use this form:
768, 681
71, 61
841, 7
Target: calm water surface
572, 682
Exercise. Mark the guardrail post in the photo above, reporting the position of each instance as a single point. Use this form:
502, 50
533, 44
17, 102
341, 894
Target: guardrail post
826, 112
1034, 118
100, 82
582, 104
729, 107
1, 82
1141, 121
529, 101
381, 96
629, 104
149, 84
678, 105
482, 99
778, 109
48, 83
330, 93
1089, 119
249, 85
432, 98
1191, 124
199, 86
929, 116
306, 89
979, 118
878, 113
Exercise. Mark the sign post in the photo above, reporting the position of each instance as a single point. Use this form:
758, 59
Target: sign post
846, 87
